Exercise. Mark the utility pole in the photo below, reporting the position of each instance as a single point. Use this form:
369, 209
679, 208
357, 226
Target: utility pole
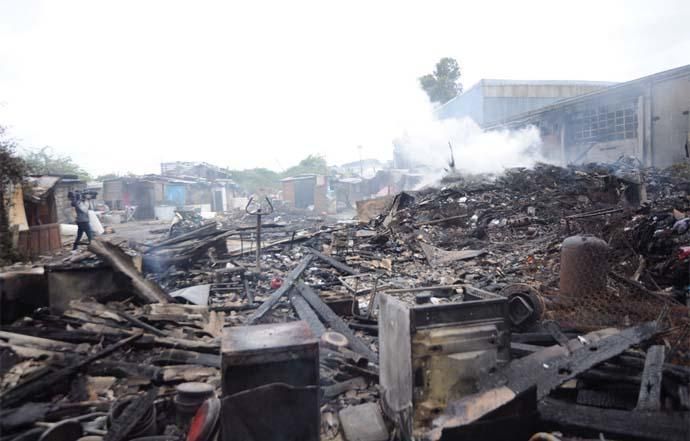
361, 164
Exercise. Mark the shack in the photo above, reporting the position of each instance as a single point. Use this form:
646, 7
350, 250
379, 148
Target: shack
46, 200
305, 191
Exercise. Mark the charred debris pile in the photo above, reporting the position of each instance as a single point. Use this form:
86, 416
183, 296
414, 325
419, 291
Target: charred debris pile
545, 303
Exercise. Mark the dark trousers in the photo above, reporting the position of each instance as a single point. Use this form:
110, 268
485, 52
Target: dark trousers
82, 227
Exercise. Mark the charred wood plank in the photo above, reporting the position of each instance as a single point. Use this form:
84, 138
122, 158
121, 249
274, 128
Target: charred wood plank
146, 290
369, 329
39, 387
335, 322
145, 326
440, 221
37, 342
536, 338
590, 421
275, 297
633, 359
546, 369
230, 308
177, 356
605, 399
307, 314
650, 387
122, 369
555, 331
332, 391
199, 233
522, 349
340, 266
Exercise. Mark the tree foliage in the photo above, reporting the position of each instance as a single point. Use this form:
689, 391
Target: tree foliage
257, 180
311, 164
46, 162
107, 176
442, 84
12, 170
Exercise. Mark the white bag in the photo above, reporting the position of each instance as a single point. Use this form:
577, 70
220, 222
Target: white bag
95, 224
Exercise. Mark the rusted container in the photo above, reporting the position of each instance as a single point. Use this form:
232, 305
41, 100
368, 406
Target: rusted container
584, 266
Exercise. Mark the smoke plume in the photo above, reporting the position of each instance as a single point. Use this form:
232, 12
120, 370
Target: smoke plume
475, 150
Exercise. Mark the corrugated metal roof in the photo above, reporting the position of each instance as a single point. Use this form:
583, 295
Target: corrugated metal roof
524, 117
499, 82
38, 187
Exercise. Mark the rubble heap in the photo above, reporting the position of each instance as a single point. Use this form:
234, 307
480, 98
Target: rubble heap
454, 309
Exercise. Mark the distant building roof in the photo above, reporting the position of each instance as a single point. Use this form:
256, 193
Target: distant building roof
525, 117
300, 177
191, 169
495, 99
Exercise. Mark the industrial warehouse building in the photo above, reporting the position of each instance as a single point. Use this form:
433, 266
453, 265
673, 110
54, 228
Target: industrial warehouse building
491, 101
647, 118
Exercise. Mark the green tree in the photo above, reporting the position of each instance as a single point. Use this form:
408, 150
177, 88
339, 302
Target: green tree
256, 179
262, 179
107, 176
443, 84
45, 162
311, 164
12, 170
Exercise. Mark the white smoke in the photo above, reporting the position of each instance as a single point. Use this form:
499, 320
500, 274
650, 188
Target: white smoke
475, 150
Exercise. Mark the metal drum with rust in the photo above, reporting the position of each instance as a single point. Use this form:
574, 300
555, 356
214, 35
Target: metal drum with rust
584, 266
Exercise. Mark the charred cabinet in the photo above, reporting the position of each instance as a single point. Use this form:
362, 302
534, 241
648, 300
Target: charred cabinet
270, 383
432, 354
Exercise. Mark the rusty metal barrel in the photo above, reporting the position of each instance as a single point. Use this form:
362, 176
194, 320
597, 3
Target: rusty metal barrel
584, 266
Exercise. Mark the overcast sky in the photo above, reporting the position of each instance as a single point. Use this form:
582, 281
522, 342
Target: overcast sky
123, 85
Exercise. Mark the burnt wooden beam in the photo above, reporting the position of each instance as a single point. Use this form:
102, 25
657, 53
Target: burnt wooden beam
650, 386
146, 290
277, 294
340, 266
335, 322
121, 369
199, 233
545, 369
522, 349
138, 323
38, 387
177, 356
613, 423
336, 389
307, 314
555, 331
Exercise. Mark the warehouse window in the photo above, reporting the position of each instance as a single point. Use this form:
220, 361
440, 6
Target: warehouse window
606, 123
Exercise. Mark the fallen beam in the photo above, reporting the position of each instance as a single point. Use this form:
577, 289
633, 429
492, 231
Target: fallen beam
146, 290
591, 421
440, 221
545, 369
307, 314
284, 241
340, 266
650, 386
275, 297
37, 342
199, 233
37, 387
178, 356
335, 322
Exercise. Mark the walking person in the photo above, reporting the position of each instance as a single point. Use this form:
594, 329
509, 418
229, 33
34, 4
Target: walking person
82, 210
